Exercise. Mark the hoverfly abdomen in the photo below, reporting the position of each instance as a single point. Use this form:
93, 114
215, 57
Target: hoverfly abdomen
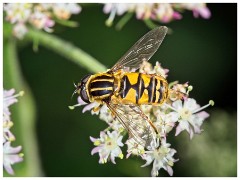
160, 90
138, 88
101, 86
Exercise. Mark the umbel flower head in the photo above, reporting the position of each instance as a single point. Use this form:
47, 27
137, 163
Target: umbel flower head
39, 15
159, 12
179, 112
11, 155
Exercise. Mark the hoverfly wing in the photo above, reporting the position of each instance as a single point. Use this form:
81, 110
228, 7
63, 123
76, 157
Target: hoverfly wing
139, 127
142, 50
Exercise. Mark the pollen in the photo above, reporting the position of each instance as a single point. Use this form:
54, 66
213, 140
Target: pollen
71, 107
185, 113
211, 102
121, 156
11, 139
21, 155
142, 151
170, 163
97, 143
190, 88
21, 93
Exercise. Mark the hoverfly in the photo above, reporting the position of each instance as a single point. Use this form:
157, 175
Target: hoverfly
123, 90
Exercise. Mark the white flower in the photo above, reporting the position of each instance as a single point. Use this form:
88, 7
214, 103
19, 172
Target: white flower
134, 148
116, 125
39, 15
11, 156
147, 109
87, 107
19, 30
108, 146
41, 20
65, 10
162, 157
160, 70
105, 114
17, 12
163, 12
114, 9
8, 99
144, 10
44, 6
165, 122
7, 134
199, 9
118, 8
190, 117
146, 67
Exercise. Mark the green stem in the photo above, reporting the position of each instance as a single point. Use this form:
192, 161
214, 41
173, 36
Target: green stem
67, 23
66, 49
124, 20
150, 24
23, 113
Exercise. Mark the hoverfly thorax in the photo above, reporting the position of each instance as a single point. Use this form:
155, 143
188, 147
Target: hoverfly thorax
82, 88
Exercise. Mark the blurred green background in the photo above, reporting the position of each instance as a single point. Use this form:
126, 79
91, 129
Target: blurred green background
202, 52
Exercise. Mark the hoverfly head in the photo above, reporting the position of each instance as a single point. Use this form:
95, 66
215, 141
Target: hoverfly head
81, 88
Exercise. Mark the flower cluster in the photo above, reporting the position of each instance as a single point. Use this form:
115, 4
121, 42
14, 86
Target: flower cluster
41, 16
160, 12
178, 111
108, 146
11, 154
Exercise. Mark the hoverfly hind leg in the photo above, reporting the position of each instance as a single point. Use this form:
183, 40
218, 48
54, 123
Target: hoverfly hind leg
177, 95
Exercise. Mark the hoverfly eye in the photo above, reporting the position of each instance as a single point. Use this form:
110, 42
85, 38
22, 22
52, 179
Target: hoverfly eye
85, 78
84, 96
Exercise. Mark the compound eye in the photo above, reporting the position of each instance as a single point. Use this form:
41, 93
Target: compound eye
84, 96
85, 78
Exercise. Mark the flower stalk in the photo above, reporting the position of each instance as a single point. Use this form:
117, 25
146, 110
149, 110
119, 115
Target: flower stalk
24, 114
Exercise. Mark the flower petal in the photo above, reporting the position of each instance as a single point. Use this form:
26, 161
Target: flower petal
8, 168
203, 114
112, 157
177, 104
178, 130
95, 150
89, 107
170, 170
93, 139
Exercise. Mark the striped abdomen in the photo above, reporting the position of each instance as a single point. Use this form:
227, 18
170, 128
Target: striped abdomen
101, 86
141, 88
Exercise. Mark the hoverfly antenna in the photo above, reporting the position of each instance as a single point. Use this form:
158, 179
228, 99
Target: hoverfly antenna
74, 93
74, 84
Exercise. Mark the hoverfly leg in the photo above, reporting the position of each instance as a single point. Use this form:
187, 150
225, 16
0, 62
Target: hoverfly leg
95, 109
176, 95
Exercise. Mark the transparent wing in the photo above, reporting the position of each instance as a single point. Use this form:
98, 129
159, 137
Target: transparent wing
139, 127
143, 49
